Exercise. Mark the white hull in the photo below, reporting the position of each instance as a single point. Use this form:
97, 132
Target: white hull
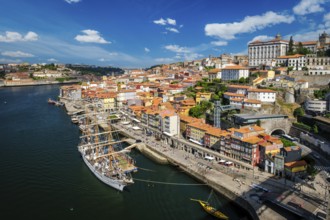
117, 184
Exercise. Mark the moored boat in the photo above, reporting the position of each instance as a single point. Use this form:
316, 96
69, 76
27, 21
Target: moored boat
211, 210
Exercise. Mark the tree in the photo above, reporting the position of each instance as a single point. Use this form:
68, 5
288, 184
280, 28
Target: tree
215, 97
241, 80
258, 122
298, 112
287, 143
327, 53
290, 49
315, 129
196, 111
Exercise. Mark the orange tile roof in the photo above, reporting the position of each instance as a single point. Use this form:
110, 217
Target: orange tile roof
298, 163
200, 125
291, 56
252, 101
236, 67
239, 87
261, 90
252, 139
234, 94
253, 128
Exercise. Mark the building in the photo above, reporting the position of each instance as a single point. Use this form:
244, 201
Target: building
265, 52
239, 89
295, 169
235, 72
195, 132
291, 154
297, 61
244, 144
170, 122
317, 65
203, 96
263, 95
316, 106
72, 92
124, 95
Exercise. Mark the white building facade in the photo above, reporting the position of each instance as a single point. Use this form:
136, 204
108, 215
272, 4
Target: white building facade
234, 73
265, 52
316, 105
297, 61
263, 95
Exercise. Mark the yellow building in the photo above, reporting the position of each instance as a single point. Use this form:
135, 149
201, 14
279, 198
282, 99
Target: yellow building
203, 96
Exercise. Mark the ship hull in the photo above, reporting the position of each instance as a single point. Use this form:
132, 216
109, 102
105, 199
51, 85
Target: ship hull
117, 184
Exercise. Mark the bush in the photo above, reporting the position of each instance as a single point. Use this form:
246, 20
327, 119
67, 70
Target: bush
302, 126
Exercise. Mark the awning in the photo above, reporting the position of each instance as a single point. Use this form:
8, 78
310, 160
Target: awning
168, 134
136, 128
222, 161
196, 142
136, 120
228, 163
125, 122
209, 158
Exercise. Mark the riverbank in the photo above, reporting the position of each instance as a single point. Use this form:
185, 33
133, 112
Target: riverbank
248, 193
34, 83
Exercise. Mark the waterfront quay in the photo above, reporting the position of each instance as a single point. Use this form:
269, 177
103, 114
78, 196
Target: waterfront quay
252, 190
246, 186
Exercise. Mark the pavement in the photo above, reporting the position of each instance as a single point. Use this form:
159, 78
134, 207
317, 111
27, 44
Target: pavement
304, 198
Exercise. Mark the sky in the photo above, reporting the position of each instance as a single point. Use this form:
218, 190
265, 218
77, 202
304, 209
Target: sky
142, 33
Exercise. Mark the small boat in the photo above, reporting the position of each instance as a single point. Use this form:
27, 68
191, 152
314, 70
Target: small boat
75, 120
211, 210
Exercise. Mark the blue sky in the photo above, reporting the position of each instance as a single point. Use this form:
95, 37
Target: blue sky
141, 33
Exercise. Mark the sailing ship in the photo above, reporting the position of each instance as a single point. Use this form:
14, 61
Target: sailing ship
103, 155
210, 209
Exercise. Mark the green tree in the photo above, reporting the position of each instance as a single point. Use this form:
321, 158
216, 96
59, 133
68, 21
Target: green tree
327, 53
287, 143
258, 122
196, 111
242, 80
298, 112
290, 49
315, 129
215, 97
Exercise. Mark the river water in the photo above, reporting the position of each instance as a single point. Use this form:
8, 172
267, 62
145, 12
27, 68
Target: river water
43, 177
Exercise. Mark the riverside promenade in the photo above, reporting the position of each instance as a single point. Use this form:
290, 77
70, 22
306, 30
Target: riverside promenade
251, 192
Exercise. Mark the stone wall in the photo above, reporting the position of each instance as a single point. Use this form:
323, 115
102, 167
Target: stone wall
315, 81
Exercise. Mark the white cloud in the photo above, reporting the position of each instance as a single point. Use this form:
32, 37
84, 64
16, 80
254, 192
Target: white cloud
52, 60
15, 37
183, 52
72, 1
326, 20
171, 21
168, 21
172, 30
10, 61
147, 50
261, 38
219, 43
308, 36
91, 36
176, 48
16, 54
247, 25
164, 60
308, 7
161, 21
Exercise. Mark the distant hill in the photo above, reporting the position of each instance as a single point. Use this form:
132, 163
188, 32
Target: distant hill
96, 70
